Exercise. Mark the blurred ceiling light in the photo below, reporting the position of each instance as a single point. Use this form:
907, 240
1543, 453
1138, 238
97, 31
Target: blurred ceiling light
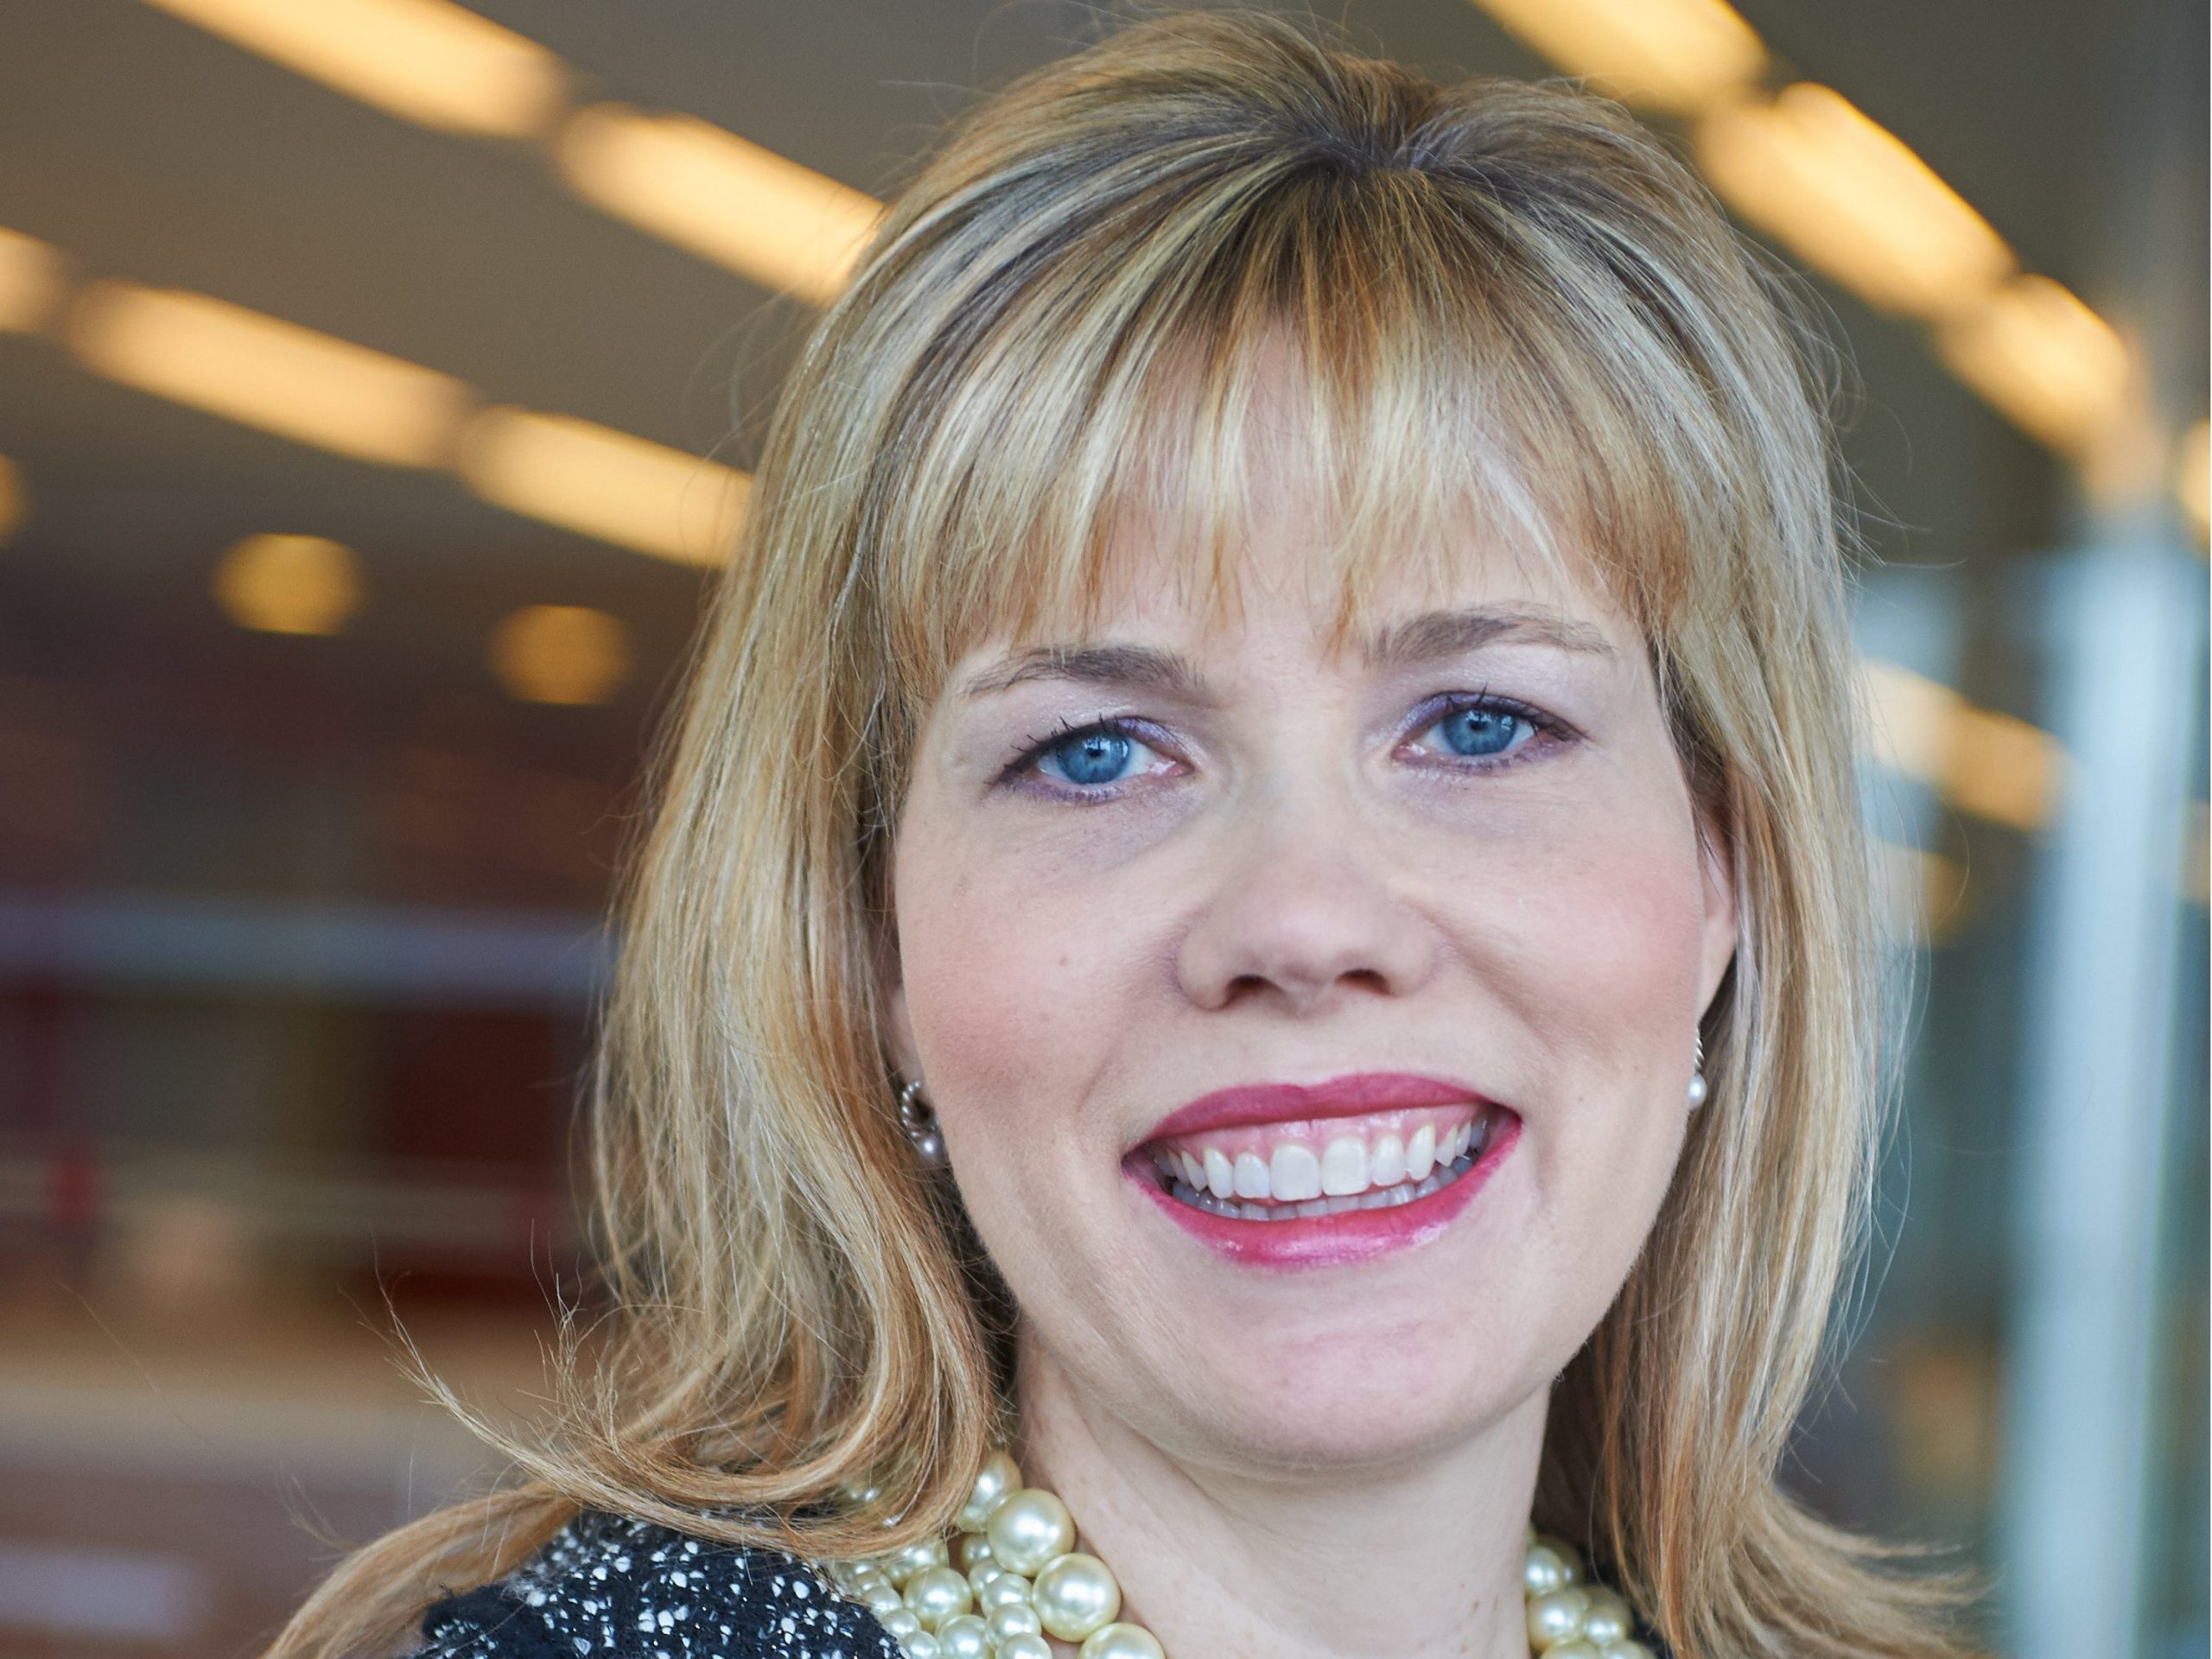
1670, 54
424, 60
289, 584
1989, 764
1851, 199
1911, 717
744, 207
1923, 893
269, 373
605, 484
13, 502
561, 653
31, 281
2049, 363
2004, 769
2193, 477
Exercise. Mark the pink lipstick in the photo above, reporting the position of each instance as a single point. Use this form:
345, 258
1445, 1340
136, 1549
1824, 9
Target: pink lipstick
1351, 1138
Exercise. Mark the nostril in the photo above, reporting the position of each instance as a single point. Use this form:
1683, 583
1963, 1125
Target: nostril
1246, 985
1302, 989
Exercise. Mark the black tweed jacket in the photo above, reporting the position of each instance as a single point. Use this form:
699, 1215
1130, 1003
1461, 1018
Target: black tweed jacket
611, 1585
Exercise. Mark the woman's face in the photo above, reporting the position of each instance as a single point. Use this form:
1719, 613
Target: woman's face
1333, 908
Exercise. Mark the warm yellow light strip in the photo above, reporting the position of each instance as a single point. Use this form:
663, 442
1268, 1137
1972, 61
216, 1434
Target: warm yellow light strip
32, 279
748, 209
1989, 764
424, 60
2193, 478
265, 373
1669, 54
14, 502
1850, 198
673, 177
318, 390
2004, 769
2046, 360
604, 484
1911, 715
1922, 894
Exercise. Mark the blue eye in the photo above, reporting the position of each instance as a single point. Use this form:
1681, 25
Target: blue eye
1480, 730
1090, 757
1098, 755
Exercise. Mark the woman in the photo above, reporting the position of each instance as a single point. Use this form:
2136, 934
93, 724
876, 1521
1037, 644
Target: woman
1257, 927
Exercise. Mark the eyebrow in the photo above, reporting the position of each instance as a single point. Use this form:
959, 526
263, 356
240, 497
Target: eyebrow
1417, 639
1448, 634
1137, 665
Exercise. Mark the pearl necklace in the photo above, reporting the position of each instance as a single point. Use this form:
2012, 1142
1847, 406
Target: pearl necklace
1010, 1575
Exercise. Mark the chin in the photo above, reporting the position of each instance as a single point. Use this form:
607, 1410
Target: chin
1371, 1377
1385, 1390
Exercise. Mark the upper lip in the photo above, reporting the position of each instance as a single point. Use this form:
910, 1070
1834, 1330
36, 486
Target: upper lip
1349, 1095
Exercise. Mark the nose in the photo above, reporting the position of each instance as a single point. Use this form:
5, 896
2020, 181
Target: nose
1303, 910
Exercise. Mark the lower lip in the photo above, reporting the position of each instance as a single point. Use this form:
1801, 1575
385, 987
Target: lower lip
1332, 1241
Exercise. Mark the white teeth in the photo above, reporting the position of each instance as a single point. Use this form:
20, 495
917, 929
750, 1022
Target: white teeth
1346, 1173
1384, 1197
1344, 1166
1293, 1175
1221, 1178
1421, 1153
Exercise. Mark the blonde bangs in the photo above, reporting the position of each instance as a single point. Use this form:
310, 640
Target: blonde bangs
1427, 355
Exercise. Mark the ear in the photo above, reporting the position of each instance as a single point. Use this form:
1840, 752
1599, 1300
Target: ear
1719, 935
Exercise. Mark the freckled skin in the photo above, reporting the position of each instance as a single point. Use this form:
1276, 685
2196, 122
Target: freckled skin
1292, 881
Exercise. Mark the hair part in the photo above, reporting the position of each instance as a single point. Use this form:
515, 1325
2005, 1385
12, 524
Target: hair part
1497, 303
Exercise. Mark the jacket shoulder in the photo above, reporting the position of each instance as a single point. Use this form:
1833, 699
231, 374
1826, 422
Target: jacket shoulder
611, 1586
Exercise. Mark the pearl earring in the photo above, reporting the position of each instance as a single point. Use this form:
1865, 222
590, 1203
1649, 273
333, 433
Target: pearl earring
1697, 1073
919, 1122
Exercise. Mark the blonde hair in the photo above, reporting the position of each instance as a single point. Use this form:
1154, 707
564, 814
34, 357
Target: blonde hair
1503, 297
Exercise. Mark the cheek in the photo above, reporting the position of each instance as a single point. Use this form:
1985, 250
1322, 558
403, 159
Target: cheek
1623, 984
1587, 932
1008, 992
1613, 940
1583, 909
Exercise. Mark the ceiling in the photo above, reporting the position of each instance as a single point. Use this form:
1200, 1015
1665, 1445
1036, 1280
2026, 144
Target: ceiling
146, 148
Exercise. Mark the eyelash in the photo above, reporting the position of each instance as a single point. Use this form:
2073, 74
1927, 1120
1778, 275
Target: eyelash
1021, 773
1548, 732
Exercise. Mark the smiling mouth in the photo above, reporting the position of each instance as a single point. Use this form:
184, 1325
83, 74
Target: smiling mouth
1326, 1167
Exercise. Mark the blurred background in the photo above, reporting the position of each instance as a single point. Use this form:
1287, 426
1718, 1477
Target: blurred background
374, 380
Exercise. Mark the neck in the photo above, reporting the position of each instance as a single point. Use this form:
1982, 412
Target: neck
1421, 1558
